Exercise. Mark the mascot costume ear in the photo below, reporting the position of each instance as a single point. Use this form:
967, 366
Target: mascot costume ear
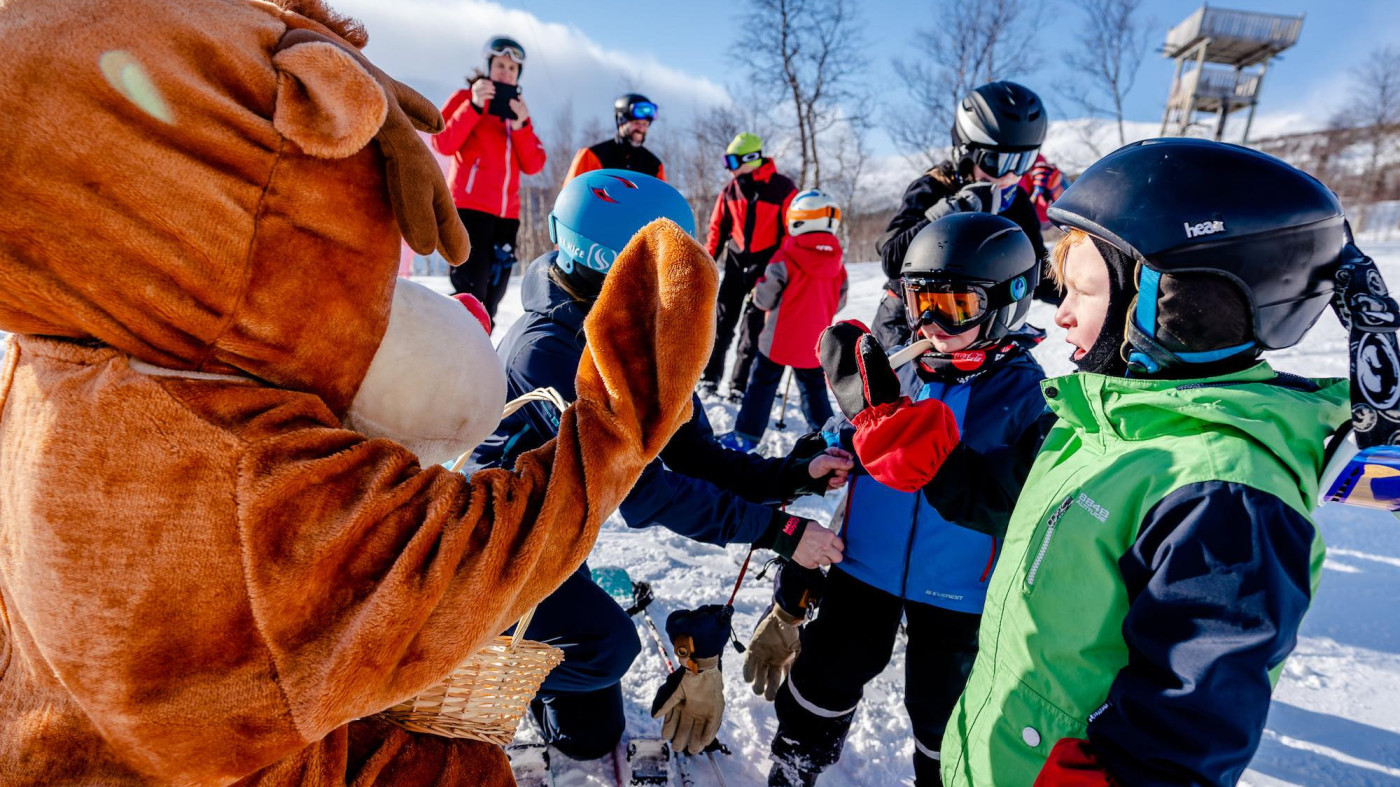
331, 102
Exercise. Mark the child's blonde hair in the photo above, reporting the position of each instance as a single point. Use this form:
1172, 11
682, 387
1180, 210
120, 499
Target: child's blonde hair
1073, 237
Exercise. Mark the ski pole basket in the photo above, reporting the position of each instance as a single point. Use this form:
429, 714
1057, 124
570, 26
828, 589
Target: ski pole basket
487, 695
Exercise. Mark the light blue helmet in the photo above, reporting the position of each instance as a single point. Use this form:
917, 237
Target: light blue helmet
598, 212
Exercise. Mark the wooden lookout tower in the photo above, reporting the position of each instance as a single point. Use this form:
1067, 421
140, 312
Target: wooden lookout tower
1221, 56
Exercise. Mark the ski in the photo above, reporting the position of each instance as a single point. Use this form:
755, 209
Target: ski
529, 762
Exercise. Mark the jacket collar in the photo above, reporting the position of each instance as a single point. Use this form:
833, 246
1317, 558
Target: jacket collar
1289, 417
763, 174
540, 296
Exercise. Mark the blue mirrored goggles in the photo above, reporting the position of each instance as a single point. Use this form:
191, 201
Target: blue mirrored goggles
642, 110
734, 161
1001, 162
1369, 478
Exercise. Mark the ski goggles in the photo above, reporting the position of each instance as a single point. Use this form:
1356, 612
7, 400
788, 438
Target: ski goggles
642, 110
733, 161
506, 49
1002, 162
1369, 478
959, 306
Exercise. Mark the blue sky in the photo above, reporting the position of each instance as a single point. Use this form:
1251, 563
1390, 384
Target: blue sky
585, 52
695, 37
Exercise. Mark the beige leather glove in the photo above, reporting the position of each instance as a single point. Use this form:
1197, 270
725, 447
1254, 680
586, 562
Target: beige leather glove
694, 708
773, 648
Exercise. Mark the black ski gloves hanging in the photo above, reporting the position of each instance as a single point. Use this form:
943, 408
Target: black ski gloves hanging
856, 367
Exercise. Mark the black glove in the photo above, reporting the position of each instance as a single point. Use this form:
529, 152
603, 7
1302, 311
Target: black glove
856, 367
979, 197
796, 481
797, 590
784, 533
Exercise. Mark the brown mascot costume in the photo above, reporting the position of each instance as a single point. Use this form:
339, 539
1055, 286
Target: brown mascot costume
225, 543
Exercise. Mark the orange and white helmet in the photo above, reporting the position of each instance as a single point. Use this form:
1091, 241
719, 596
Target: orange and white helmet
813, 211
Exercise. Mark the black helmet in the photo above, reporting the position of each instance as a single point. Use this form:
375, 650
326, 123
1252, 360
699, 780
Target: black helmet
499, 46
633, 106
967, 270
1000, 126
1191, 210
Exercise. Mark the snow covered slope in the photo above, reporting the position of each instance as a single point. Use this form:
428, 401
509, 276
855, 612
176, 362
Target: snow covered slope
1336, 714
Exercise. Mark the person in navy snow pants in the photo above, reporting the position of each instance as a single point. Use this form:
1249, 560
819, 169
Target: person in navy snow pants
920, 553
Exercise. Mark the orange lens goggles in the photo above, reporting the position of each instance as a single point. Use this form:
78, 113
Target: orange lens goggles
948, 306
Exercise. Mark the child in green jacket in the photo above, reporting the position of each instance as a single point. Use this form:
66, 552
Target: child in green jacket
1160, 560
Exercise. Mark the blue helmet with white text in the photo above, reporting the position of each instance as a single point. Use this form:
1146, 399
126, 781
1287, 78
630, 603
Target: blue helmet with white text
598, 212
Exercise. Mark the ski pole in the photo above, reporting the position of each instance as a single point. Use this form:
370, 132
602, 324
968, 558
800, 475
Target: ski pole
715, 764
660, 646
782, 411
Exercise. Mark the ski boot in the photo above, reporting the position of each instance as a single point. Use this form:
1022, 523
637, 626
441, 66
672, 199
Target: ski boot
737, 442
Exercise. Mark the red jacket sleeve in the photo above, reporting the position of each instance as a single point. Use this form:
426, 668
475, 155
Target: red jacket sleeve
529, 153
661, 171
461, 117
903, 444
584, 161
719, 224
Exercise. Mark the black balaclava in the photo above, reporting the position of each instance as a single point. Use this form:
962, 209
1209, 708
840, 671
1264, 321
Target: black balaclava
1106, 356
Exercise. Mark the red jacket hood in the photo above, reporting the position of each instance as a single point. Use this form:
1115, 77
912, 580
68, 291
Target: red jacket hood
817, 254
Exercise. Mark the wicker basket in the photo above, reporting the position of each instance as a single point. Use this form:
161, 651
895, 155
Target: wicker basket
486, 696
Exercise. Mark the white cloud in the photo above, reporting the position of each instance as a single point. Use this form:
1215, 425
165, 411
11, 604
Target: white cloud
432, 44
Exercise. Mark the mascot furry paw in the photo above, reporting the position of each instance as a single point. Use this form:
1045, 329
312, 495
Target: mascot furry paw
220, 553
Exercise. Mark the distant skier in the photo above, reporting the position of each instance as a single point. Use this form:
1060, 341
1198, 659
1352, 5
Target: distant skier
491, 147
801, 289
921, 555
747, 222
1162, 555
998, 129
633, 114
698, 489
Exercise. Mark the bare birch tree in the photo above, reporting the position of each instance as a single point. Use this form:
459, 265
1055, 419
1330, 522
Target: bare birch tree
807, 56
1105, 58
971, 42
1373, 111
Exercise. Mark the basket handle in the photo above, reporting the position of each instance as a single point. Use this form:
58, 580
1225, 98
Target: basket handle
538, 395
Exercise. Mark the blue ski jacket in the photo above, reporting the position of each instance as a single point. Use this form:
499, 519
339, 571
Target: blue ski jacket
898, 541
697, 488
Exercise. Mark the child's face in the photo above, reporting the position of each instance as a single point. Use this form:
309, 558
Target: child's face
1086, 297
946, 342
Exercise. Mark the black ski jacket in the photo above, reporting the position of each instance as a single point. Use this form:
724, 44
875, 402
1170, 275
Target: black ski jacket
934, 185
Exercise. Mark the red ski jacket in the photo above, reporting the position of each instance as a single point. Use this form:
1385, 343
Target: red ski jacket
749, 215
488, 157
802, 289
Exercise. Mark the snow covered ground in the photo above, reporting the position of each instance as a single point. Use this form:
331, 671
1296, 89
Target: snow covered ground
1336, 715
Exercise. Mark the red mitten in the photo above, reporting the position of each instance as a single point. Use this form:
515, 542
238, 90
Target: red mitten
474, 306
903, 444
1072, 763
